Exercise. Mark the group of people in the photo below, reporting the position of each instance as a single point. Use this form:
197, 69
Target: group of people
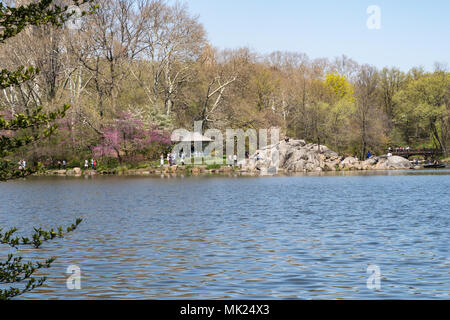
62, 164
93, 164
172, 159
233, 160
435, 162
399, 149
22, 165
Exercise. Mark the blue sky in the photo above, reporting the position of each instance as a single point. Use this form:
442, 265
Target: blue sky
413, 33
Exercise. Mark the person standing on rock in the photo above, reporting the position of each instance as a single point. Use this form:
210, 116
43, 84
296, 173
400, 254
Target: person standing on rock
161, 161
86, 164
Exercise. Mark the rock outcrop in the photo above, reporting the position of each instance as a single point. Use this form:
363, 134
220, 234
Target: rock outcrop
392, 163
298, 156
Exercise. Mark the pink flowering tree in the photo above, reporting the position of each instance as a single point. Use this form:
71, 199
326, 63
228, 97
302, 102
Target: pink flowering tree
127, 136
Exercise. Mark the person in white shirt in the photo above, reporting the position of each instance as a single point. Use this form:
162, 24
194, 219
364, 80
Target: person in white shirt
230, 160
174, 159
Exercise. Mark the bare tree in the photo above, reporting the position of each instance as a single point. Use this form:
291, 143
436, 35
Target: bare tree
174, 41
112, 40
366, 93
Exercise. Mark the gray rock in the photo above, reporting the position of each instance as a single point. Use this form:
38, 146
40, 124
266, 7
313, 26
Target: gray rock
348, 163
297, 156
294, 156
392, 163
396, 162
371, 162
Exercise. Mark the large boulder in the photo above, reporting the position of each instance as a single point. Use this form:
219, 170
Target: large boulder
396, 162
393, 163
298, 156
292, 156
370, 163
349, 163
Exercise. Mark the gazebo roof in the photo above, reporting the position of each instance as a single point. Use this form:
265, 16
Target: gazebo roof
190, 137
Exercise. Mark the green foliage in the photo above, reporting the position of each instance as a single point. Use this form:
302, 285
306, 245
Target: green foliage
13, 20
18, 137
213, 166
424, 106
37, 239
340, 86
265, 85
160, 118
8, 78
107, 163
73, 163
15, 271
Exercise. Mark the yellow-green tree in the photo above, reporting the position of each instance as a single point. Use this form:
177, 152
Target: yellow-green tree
425, 104
341, 108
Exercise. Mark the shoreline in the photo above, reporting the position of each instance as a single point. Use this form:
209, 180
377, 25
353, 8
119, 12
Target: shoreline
203, 171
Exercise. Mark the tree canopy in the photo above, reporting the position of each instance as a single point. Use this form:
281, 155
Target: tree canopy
151, 59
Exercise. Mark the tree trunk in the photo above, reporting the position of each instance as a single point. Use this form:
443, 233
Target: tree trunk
169, 105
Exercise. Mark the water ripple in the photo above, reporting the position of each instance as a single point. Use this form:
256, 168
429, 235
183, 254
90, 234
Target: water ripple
305, 237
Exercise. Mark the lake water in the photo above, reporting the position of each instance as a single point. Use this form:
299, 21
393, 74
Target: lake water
302, 237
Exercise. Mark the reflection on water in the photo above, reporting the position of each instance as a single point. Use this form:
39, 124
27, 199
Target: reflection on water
303, 237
